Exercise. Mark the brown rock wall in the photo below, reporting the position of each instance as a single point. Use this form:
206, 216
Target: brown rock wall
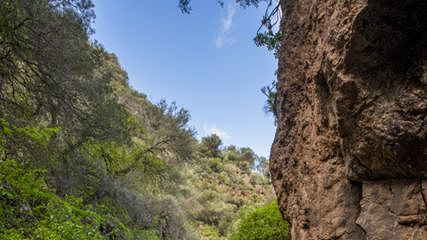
352, 118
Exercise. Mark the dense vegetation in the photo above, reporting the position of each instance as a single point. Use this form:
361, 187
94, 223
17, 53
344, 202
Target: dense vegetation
265, 223
84, 156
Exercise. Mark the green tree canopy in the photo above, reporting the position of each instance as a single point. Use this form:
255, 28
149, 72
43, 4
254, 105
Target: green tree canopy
265, 223
210, 145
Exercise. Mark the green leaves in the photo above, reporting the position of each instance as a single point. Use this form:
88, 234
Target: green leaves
270, 39
210, 145
109, 155
270, 92
264, 223
38, 134
30, 210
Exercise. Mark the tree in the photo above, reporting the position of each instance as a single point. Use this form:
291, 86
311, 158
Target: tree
209, 146
44, 55
46, 61
52, 76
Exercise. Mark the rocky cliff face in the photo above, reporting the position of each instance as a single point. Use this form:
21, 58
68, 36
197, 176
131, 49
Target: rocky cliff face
349, 160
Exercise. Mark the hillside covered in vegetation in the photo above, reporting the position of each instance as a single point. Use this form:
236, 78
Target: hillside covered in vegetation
84, 156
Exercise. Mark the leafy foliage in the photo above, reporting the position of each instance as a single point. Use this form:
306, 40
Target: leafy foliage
84, 156
221, 186
264, 223
210, 145
270, 92
271, 37
30, 210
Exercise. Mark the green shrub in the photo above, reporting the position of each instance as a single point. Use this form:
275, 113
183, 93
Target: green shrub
210, 232
215, 164
30, 210
264, 223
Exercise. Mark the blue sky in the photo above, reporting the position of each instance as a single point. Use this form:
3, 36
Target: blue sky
206, 62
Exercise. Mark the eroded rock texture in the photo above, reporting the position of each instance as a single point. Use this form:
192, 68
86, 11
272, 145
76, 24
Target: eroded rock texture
349, 160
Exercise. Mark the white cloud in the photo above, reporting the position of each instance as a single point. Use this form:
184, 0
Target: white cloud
212, 129
224, 37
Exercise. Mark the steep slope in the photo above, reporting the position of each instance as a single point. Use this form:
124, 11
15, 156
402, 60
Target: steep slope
349, 160
84, 156
157, 182
219, 189
211, 184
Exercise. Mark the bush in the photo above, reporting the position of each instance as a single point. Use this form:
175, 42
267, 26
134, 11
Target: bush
30, 210
265, 223
210, 232
215, 164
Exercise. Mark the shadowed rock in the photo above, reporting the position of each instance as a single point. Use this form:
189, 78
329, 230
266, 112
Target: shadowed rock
349, 160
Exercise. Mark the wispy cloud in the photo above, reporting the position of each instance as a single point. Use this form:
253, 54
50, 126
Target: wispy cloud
224, 37
212, 129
